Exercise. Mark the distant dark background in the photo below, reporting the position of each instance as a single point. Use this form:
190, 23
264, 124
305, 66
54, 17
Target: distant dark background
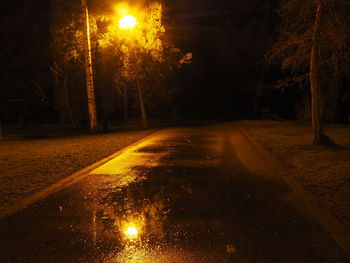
228, 39
25, 77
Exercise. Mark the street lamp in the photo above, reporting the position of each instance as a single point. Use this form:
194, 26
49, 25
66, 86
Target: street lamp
127, 22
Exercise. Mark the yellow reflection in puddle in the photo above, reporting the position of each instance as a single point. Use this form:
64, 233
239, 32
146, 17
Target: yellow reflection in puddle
131, 228
131, 232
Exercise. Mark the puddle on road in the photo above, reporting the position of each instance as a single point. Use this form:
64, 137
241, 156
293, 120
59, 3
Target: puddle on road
134, 254
147, 222
136, 194
182, 210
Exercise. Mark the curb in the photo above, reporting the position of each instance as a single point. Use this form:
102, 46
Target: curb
63, 183
339, 232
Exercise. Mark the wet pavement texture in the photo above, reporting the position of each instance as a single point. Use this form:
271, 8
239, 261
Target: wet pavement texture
193, 194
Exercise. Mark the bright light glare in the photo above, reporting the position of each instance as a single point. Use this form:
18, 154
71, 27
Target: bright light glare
127, 22
131, 232
122, 9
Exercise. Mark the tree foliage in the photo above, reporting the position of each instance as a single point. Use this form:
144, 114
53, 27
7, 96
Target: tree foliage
292, 50
147, 55
68, 61
120, 57
145, 50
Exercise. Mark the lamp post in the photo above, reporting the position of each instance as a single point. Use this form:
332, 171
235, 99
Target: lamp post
88, 69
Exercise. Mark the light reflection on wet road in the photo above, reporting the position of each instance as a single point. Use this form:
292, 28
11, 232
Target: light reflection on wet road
194, 195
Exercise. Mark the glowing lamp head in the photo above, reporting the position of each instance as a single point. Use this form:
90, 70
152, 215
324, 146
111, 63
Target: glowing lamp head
131, 232
127, 22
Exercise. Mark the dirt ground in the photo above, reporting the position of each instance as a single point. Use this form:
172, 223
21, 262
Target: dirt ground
324, 172
31, 163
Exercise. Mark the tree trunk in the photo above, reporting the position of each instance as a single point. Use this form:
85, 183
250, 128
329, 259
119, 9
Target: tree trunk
319, 137
125, 104
2, 121
102, 122
88, 69
142, 105
20, 114
67, 100
1, 129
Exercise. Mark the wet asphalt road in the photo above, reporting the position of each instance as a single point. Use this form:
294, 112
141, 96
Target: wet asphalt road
195, 195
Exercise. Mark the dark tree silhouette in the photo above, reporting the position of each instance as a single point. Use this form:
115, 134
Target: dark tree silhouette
313, 49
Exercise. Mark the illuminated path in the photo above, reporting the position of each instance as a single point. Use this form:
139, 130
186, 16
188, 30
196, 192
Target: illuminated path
184, 195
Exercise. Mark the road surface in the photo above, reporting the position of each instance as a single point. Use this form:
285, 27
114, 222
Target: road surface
184, 195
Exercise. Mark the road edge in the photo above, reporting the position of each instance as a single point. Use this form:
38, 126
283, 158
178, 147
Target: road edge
66, 181
339, 232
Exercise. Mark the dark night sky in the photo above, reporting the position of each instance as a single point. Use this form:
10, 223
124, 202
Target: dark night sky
228, 39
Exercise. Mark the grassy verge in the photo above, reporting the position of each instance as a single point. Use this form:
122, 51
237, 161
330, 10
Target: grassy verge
28, 165
324, 172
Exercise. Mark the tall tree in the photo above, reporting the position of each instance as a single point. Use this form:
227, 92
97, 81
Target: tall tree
68, 64
88, 68
313, 49
147, 56
319, 137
